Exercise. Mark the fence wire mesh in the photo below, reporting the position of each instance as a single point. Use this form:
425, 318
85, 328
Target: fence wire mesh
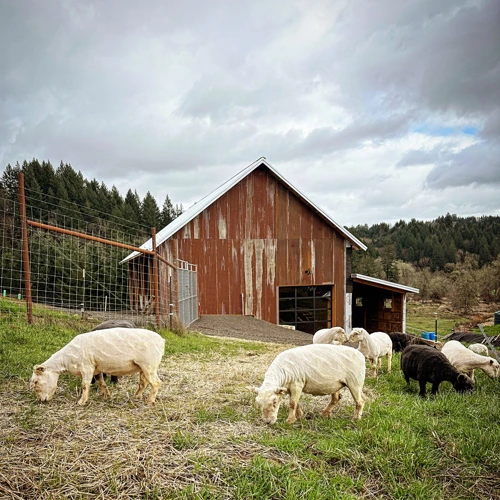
74, 276
187, 279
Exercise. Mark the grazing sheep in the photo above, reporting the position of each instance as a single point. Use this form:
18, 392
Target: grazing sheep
316, 369
467, 361
401, 340
105, 325
117, 351
335, 336
373, 346
479, 349
426, 364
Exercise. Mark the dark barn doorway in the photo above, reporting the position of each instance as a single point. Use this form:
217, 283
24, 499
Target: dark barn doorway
307, 308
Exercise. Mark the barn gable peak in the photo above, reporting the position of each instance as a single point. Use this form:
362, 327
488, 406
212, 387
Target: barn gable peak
210, 198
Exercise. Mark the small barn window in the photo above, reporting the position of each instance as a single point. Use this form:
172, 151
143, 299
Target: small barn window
387, 303
359, 302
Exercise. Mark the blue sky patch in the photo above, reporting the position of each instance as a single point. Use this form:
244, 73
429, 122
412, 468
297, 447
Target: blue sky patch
443, 131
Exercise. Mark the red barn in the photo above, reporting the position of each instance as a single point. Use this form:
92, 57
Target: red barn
260, 248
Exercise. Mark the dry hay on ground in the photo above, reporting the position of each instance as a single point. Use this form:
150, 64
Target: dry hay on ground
204, 421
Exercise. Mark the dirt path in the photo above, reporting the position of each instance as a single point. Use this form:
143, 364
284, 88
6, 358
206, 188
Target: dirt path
249, 328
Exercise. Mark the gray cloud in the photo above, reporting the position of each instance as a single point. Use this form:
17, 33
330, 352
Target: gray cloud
420, 157
125, 92
477, 164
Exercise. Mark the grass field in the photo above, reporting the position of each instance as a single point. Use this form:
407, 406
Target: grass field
204, 437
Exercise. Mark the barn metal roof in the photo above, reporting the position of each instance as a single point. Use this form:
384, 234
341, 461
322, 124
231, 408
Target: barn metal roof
376, 281
206, 201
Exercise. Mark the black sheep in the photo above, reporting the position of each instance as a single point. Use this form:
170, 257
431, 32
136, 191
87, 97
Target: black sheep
426, 364
401, 340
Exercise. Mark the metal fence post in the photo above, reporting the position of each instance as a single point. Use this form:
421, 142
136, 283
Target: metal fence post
26, 258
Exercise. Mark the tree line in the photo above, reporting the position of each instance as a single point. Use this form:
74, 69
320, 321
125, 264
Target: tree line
57, 194
451, 256
64, 271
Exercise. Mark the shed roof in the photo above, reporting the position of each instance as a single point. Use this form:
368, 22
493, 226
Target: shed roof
206, 201
368, 280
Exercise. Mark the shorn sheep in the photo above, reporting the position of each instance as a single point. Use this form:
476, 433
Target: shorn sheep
467, 361
426, 364
335, 336
479, 349
373, 346
116, 351
112, 323
317, 369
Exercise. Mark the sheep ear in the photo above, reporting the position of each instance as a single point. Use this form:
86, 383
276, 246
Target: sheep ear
491, 361
39, 369
280, 391
252, 388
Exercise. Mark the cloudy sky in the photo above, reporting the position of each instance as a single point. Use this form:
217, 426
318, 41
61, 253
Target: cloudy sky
376, 110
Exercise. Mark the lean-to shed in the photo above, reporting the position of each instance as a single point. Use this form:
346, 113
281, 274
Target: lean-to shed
378, 305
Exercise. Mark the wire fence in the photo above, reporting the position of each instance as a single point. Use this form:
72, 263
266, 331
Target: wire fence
79, 276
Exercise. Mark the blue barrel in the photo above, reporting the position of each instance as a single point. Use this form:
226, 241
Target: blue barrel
425, 335
432, 336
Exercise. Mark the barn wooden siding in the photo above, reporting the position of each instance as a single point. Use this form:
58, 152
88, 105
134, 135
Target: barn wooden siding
254, 238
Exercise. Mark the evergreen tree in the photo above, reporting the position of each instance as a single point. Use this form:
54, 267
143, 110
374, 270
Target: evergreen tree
150, 213
168, 213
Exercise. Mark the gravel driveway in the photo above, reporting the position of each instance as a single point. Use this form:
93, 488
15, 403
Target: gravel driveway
249, 328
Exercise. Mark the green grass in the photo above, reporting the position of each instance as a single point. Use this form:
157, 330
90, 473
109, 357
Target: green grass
491, 331
421, 317
192, 446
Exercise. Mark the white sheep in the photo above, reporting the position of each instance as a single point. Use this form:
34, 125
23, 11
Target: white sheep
479, 349
335, 336
373, 346
466, 361
317, 369
116, 351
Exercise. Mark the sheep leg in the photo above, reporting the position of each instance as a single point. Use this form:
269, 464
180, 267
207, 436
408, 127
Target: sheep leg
102, 385
298, 411
422, 384
86, 381
435, 387
373, 364
151, 376
389, 361
329, 407
295, 393
359, 399
471, 375
142, 385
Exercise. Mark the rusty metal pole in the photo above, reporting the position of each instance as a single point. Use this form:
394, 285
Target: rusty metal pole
26, 257
155, 276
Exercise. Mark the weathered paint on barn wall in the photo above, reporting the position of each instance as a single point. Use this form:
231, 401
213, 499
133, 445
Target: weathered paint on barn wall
254, 238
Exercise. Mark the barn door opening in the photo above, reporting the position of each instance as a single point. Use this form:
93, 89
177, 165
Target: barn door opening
307, 308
